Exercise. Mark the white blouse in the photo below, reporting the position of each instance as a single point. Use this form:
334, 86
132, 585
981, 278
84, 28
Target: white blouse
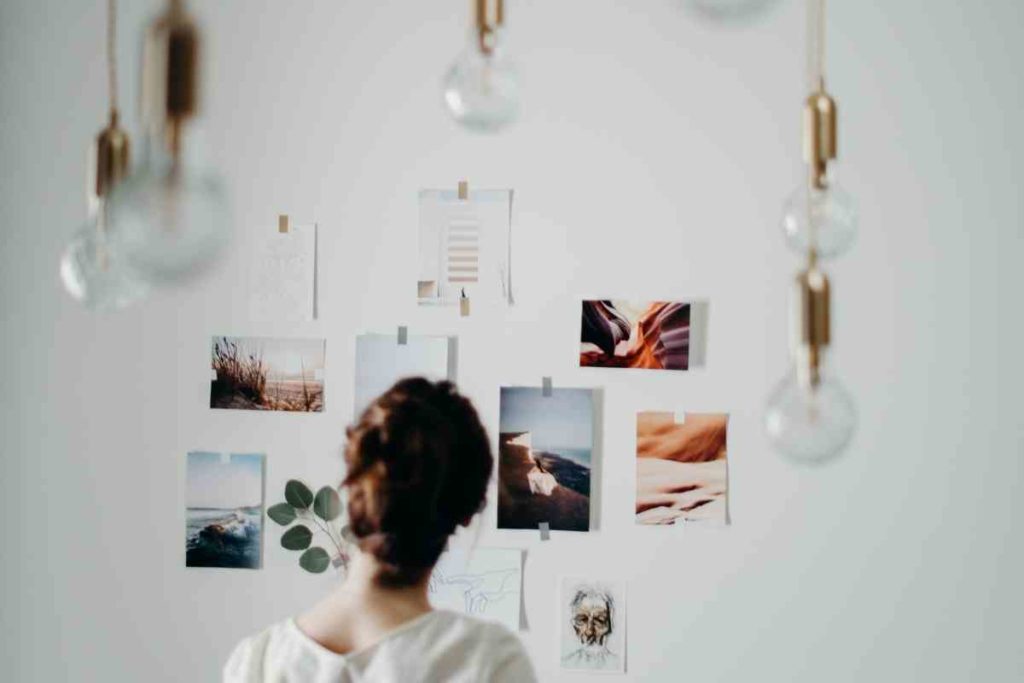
440, 645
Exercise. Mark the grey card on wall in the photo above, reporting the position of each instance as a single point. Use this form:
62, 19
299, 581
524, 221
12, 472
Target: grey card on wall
381, 361
224, 510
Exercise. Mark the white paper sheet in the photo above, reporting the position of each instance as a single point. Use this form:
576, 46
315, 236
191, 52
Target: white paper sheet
485, 583
381, 361
282, 281
464, 245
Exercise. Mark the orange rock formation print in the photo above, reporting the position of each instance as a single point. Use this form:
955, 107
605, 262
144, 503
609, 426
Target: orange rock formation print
621, 334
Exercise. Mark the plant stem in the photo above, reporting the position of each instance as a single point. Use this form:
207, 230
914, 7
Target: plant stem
316, 521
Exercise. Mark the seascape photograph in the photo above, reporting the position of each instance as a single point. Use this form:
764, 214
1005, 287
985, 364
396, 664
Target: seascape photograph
653, 335
545, 450
224, 510
253, 373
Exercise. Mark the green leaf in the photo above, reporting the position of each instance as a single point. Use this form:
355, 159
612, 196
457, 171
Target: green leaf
298, 494
297, 538
282, 513
315, 560
327, 504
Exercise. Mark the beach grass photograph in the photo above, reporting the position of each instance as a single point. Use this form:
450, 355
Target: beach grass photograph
545, 450
682, 472
224, 510
653, 335
254, 373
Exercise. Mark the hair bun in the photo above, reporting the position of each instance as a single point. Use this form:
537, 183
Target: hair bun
419, 462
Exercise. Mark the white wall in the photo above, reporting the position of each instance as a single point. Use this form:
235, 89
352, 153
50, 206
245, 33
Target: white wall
652, 159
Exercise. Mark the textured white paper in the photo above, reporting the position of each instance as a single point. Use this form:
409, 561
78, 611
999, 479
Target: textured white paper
381, 361
485, 583
282, 286
464, 244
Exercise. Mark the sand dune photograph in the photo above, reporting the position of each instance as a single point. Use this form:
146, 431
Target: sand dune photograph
545, 450
653, 335
681, 469
254, 373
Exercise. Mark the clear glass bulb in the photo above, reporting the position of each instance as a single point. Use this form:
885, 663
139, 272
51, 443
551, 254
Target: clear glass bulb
481, 89
808, 424
171, 216
823, 218
93, 268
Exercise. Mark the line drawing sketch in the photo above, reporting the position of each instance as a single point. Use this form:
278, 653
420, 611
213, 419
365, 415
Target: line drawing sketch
485, 583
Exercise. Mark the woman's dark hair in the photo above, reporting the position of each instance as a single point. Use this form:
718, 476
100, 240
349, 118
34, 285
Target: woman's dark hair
418, 465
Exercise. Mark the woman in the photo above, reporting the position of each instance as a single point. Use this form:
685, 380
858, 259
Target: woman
418, 465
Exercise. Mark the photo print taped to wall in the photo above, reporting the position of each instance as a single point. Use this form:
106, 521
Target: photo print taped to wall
682, 472
267, 373
545, 452
224, 510
383, 359
464, 247
652, 335
592, 625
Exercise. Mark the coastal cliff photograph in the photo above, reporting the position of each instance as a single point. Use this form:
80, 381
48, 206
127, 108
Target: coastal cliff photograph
653, 335
545, 450
224, 510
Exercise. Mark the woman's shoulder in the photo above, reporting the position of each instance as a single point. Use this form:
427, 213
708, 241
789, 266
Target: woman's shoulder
488, 644
482, 629
254, 657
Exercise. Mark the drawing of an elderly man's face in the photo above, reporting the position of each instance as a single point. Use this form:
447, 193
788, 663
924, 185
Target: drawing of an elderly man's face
592, 616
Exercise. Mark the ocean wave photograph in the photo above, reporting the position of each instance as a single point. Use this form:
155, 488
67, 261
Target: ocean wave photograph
224, 510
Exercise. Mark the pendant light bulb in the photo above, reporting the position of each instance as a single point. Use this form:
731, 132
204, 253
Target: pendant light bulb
810, 417
819, 214
810, 425
171, 211
481, 89
93, 267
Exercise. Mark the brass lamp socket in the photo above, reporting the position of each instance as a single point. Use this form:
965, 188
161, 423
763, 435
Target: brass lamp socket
812, 332
819, 136
170, 74
113, 154
489, 16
